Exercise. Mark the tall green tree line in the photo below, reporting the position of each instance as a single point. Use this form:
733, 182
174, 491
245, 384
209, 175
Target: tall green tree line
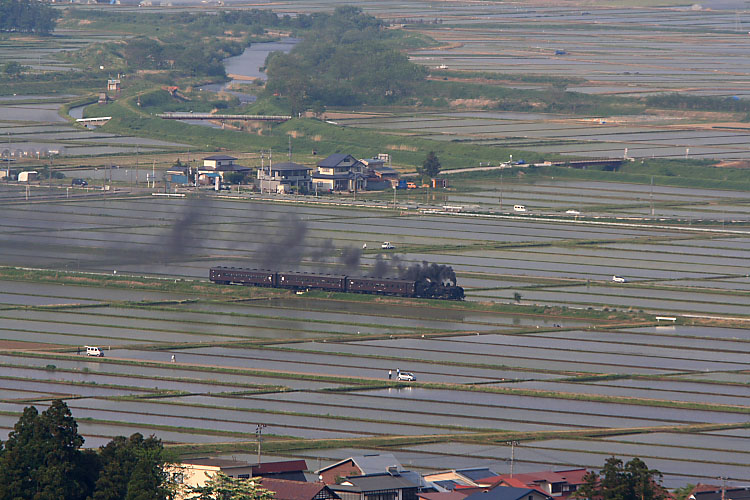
345, 59
42, 459
27, 16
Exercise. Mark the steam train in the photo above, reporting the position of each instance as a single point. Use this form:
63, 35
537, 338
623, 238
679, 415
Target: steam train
425, 288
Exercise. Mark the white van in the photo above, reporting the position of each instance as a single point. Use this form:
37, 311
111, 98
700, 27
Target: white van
94, 351
519, 208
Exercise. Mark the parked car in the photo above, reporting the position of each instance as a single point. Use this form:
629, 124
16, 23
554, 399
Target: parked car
572, 212
94, 351
619, 279
79, 182
406, 377
519, 208
387, 245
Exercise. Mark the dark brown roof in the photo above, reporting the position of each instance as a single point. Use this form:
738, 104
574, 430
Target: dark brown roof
278, 467
293, 490
215, 462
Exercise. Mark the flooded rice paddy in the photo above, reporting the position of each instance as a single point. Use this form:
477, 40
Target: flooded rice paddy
545, 341
495, 364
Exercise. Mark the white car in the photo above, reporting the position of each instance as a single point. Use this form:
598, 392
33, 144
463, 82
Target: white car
406, 377
619, 279
94, 351
387, 245
572, 212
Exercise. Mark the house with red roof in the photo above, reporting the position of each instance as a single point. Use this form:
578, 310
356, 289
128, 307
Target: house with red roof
557, 484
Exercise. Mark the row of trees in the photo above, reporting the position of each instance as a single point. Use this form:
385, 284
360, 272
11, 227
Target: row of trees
623, 481
27, 16
344, 60
146, 53
43, 460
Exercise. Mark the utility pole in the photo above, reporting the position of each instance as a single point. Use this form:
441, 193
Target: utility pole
501, 190
259, 434
513, 445
7, 162
136, 166
723, 487
651, 196
270, 161
262, 171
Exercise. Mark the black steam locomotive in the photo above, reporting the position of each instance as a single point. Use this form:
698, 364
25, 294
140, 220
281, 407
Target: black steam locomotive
301, 281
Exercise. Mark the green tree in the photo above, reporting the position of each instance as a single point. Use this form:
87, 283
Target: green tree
234, 177
643, 483
42, 460
431, 166
27, 16
227, 488
132, 468
13, 69
618, 481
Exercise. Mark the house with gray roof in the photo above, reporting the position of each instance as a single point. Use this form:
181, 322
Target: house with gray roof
381, 486
284, 177
508, 493
340, 172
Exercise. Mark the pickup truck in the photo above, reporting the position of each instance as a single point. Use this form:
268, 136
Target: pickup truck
387, 245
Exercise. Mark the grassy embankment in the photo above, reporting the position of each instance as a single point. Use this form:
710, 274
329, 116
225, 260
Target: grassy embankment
211, 291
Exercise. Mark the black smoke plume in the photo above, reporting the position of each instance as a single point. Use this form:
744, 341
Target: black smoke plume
433, 273
284, 248
350, 258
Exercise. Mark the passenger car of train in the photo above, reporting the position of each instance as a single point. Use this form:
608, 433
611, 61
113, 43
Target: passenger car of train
335, 283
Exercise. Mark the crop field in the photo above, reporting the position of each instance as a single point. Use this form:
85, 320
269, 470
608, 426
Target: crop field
615, 50
638, 136
628, 52
545, 349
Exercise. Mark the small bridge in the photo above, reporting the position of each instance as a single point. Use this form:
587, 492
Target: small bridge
210, 116
101, 120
